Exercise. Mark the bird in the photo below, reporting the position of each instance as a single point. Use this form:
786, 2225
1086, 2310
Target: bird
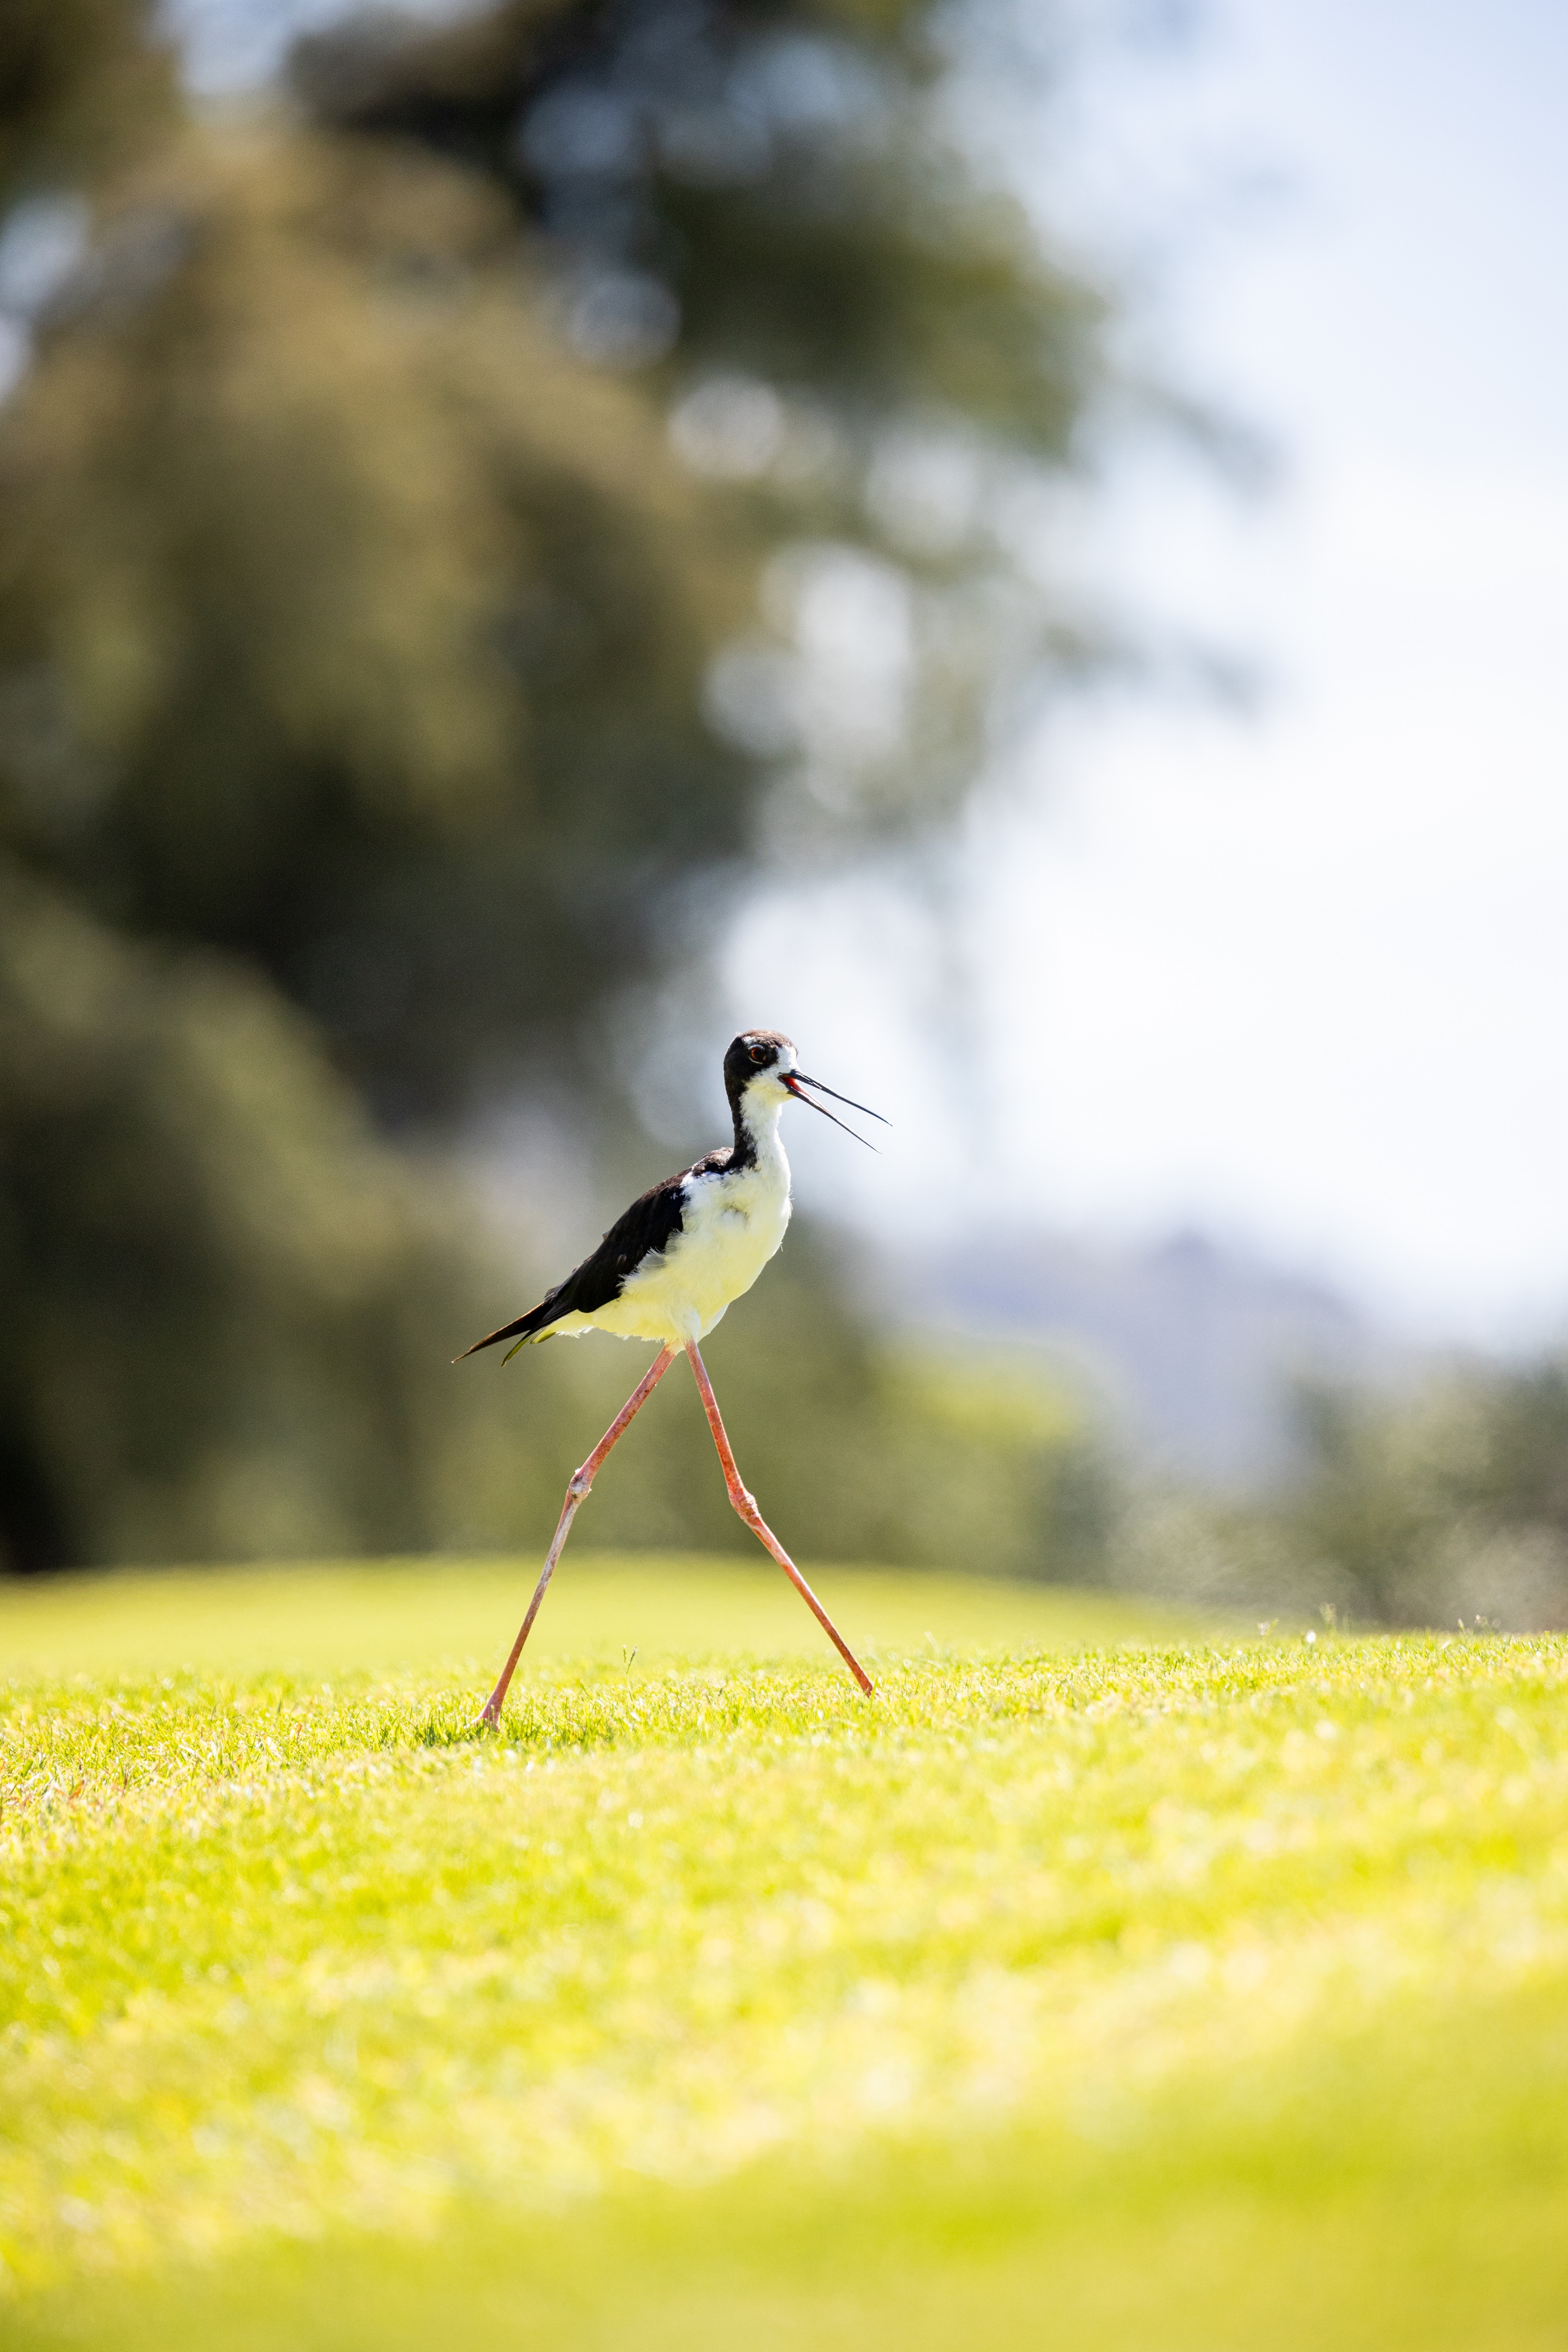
668, 1271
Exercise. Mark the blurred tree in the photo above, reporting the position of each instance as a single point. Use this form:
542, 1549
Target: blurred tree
350, 624
1447, 1502
382, 669
350, 570
216, 1286
766, 210
1451, 1502
83, 84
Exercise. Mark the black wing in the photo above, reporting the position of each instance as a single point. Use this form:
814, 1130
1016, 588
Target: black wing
648, 1226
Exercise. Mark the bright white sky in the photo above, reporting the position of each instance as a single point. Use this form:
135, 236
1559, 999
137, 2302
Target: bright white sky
1302, 979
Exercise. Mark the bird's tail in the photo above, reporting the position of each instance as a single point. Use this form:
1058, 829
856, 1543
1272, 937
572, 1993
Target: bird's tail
526, 1331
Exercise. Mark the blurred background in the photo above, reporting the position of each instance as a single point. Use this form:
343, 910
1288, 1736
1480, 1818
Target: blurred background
1021, 543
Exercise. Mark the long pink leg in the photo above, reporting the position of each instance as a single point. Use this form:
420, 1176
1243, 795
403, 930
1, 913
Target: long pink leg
747, 1506
576, 1493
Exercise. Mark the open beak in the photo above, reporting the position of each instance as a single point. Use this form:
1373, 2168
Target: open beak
795, 1079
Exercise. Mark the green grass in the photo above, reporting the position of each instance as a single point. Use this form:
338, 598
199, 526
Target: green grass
1175, 1992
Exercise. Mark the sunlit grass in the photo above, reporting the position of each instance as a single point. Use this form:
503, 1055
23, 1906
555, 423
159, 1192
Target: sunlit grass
1193, 1991
385, 1616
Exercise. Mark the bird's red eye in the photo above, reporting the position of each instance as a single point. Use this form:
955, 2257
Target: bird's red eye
759, 1052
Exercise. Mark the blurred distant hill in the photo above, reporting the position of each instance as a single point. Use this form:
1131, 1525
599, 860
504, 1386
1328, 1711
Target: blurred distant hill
1194, 1346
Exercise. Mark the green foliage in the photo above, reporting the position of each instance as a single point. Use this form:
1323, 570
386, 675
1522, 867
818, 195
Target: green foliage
319, 554
871, 345
222, 1296
1212, 1990
788, 171
82, 82
1448, 1501
350, 621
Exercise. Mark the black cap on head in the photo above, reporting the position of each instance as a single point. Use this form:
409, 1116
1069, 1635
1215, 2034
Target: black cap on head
754, 1051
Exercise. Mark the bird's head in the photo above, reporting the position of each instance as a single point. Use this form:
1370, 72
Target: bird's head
761, 1073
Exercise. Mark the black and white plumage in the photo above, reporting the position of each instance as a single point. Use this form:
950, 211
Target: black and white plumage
669, 1268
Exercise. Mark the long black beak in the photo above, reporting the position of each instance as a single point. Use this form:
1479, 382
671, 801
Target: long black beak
796, 1079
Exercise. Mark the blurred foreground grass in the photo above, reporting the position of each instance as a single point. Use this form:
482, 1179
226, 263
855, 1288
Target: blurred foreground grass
1186, 1992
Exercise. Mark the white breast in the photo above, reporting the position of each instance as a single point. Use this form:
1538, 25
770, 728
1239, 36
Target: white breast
731, 1225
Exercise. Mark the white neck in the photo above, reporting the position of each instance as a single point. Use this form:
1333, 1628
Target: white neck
759, 1115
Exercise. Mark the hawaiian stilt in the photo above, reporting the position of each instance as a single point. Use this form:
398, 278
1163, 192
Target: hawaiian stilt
668, 1270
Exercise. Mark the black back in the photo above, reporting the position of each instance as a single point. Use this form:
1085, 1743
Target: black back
648, 1226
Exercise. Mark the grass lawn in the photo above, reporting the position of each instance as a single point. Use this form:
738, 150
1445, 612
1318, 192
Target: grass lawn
1108, 1979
